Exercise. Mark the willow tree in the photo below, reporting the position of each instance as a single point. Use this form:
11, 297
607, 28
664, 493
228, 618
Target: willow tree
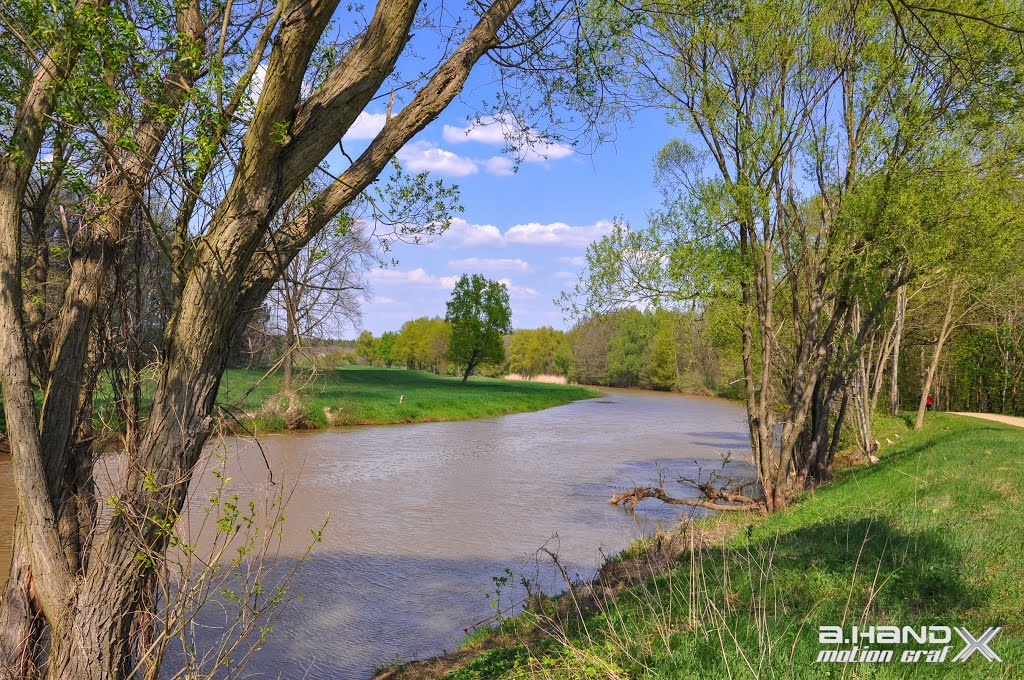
800, 193
213, 114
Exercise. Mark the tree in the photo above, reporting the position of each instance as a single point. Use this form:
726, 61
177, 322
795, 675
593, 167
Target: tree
631, 333
822, 135
423, 344
661, 361
532, 351
321, 289
164, 110
480, 317
976, 269
386, 348
367, 347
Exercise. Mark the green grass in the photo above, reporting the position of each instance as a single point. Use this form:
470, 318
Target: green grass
931, 535
355, 395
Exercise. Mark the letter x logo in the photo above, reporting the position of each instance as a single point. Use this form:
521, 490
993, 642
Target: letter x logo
977, 645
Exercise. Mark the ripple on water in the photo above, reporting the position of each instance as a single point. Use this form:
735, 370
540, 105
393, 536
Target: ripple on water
423, 516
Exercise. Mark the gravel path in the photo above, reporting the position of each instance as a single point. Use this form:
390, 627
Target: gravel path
1009, 420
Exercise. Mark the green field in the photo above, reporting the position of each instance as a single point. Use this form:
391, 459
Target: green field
355, 395
931, 535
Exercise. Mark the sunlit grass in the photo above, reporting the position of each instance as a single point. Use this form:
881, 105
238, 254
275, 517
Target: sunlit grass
355, 395
351, 395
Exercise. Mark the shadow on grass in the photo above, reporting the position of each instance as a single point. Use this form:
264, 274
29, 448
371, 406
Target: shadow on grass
751, 621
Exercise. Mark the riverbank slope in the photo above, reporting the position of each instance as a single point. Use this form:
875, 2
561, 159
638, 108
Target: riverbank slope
356, 395
931, 535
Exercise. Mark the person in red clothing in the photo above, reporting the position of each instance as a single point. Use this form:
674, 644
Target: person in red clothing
928, 404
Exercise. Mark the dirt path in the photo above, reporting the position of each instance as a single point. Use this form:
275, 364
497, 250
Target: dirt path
1009, 420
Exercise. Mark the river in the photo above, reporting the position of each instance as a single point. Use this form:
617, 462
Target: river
424, 516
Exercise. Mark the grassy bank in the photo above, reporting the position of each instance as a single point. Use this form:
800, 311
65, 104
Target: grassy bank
354, 395
931, 535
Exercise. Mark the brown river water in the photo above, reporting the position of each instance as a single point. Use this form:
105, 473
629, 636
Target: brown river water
423, 516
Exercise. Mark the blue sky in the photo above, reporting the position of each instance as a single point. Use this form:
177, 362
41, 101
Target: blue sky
528, 228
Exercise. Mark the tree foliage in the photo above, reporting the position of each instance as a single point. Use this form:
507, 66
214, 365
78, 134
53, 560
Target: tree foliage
828, 160
182, 146
423, 344
479, 315
531, 351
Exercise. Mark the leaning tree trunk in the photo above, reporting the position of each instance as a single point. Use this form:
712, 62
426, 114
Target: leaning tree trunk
894, 389
947, 322
470, 365
91, 602
289, 358
20, 622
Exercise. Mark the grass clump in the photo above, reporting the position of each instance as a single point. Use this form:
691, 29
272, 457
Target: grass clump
931, 535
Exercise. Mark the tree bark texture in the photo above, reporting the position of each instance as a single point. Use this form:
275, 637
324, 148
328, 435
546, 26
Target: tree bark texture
88, 594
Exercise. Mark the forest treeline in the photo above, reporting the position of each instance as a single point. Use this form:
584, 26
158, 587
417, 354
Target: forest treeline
982, 368
664, 350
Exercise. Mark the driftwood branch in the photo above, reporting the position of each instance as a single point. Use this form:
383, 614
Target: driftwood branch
717, 491
718, 500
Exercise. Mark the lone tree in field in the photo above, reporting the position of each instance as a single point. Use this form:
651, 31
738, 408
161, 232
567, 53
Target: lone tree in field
480, 317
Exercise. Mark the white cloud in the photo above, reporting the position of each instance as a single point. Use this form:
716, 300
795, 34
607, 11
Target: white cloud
384, 300
259, 76
515, 291
500, 165
565, 275
425, 157
539, 151
557, 234
577, 261
418, 275
505, 264
414, 277
501, 130
462, 234
366, 126
489, 130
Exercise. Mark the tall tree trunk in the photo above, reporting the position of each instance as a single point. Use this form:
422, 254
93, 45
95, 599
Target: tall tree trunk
20, 618
947, 322
40, 578
289, 358
894, 388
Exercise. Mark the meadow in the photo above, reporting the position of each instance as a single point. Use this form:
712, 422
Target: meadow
357, 395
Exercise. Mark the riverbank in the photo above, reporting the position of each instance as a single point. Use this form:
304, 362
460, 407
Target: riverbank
356, 395
928, 536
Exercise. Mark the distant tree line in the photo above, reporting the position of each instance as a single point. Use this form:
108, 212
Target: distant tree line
659, 350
